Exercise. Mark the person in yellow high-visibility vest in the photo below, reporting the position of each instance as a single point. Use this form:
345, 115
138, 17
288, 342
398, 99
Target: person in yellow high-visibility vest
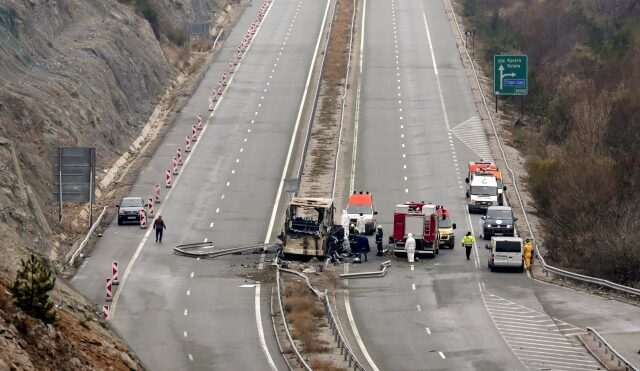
467, 242
528, 254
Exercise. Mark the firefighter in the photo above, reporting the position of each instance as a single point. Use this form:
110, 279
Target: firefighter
467, 242
528, 254
410, 247
379, 235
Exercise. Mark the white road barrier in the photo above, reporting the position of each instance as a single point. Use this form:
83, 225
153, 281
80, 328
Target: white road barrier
114, 273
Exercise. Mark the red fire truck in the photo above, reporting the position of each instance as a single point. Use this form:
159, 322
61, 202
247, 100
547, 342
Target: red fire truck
419, 219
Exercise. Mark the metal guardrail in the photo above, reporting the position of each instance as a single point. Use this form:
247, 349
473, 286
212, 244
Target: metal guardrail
333, 322
339, 338
303, 363
373, 274
87, 237
546, 267
622, 363
198, 250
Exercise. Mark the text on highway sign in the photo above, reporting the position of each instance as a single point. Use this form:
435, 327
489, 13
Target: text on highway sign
510, 74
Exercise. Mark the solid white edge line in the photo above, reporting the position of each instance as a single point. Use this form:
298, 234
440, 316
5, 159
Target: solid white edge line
356, 334
435, 69
263, 343
274, 212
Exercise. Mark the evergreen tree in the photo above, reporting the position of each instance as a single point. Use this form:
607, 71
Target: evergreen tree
31, 289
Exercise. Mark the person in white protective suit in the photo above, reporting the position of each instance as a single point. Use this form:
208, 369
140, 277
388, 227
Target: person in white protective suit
344, 221
410, 247
361, 224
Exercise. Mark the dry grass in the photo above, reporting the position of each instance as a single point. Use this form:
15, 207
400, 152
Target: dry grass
304, 314
318, 364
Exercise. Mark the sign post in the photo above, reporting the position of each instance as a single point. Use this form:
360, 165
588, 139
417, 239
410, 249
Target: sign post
510, 75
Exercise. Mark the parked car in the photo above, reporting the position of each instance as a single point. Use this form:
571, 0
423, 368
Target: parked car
506, 252
498, 221
129, 210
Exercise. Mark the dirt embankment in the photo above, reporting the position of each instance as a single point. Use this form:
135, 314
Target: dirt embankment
76, 73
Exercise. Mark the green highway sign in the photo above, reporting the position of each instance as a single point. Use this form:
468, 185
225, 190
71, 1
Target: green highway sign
510, 75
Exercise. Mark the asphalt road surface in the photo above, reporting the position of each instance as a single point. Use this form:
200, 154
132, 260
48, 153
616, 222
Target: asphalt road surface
418, 129
180, 313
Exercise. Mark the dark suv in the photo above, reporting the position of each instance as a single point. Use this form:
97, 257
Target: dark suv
129, 209
498, 221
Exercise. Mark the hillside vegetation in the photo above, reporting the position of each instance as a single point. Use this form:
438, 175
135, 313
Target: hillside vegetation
74, 73
582, 123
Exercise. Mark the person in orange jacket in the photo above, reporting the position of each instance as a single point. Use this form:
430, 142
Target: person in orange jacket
528, 254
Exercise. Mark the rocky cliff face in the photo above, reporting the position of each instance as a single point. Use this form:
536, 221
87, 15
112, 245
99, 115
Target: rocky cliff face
72, 73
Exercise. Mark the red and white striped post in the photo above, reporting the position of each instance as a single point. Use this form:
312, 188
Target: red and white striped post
230, 67
199, 122
174, 166
157, 193
179, 155
143, 218
194, 133
105, 312
109, 290
150, 207
219, 90
114, 273
224, 79
168, 177
187, 144
211, 98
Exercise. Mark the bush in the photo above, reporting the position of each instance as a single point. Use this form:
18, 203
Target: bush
31, 289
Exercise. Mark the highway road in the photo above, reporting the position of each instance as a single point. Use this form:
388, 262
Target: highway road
418, 129
180, 313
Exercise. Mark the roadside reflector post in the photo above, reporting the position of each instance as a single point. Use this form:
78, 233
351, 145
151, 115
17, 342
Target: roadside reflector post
194, 133
167, 174
105, 312
109, 290
143, 219
199, 122
114, 273
150, 206
174, 166
187, 144
157, 193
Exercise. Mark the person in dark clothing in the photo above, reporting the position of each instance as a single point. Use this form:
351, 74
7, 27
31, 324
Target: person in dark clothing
159, 226
379, 236
362, 246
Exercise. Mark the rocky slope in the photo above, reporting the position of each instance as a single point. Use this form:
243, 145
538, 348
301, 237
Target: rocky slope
72, 73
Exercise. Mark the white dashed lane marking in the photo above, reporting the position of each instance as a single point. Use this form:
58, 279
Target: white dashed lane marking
539, 341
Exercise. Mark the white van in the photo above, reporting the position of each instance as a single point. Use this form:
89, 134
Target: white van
506, 252
482, 192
